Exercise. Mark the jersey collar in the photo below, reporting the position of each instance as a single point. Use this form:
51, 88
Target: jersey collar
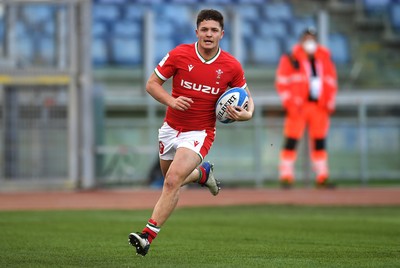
207, 61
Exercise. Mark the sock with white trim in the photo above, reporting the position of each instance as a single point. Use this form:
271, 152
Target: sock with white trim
151, 229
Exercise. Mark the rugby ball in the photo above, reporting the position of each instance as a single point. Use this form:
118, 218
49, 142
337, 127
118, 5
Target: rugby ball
236, 96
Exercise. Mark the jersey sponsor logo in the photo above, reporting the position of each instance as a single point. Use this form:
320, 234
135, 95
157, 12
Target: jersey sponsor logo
164, 60
199, 87
190, 67
196, 143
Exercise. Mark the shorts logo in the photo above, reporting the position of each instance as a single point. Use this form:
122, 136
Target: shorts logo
161, 146
196, 143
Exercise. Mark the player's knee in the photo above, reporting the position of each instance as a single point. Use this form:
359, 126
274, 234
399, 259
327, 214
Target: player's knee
290, 143
319, 144
172, 181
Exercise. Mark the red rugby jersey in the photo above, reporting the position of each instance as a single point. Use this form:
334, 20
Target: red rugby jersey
202, 81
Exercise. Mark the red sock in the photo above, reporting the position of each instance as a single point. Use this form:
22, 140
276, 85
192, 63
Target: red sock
203, 175
151, 229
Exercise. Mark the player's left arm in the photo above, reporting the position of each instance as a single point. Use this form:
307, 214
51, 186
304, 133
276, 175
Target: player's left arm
237, 113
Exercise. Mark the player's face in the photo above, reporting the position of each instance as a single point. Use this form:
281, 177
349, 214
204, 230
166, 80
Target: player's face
209, 33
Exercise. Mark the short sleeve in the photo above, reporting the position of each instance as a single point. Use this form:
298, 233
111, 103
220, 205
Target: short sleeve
166, 68
238, 79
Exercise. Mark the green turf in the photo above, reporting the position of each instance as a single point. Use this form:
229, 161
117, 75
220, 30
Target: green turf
257, 236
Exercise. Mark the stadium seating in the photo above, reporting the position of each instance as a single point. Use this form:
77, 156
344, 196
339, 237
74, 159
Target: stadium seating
133, 12
117, 28
278, 11
273, 29
184, 1
249, 12
375, 8
107, 13
127, 29
339, 46
225, 44
288, 43
1, 31
164, 28
35, 14
180, 15
300, 24
47, 50
49, 27
99, 29
266, 51
248, 29
126, 51
99, 52
25, 50
225, 2
162, 47
394, 16
252, 1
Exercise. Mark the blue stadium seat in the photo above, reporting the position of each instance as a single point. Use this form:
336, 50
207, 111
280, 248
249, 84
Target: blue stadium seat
162, 47
184, 1
225, 44
288, 43
126, 51
150, 2
248, 29
179, 14
46, 49
252, 1
186, 36
266, 51
273, 29
25, 49
376, 7
301, 24
21, 30
278, 11
164, 28
133, 12
218, 2
37, 13
1, 31
99, 51
249, 12
103, 12
49, 28
127, 29
340, 49
111, 1
99, 28
394, 16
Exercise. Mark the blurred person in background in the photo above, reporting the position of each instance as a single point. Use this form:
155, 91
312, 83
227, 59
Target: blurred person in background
306, 82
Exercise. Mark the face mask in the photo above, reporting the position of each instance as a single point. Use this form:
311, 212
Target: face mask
310, 46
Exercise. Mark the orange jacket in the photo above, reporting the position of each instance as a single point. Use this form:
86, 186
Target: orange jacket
292, 83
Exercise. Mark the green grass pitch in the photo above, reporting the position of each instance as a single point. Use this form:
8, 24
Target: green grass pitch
245, 236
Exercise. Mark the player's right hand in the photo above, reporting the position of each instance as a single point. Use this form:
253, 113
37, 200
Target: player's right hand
181, 103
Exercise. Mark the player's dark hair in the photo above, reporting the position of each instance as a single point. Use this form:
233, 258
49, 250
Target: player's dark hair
210, 14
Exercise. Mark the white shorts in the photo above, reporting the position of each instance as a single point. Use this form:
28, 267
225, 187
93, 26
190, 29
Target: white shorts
199, 141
